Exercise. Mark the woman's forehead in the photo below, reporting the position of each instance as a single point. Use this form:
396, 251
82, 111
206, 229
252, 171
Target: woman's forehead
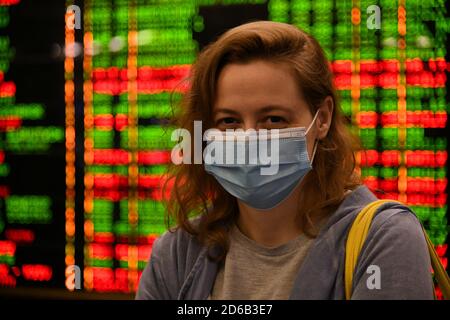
257, 84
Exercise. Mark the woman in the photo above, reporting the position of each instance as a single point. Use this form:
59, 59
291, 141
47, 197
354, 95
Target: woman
279, 236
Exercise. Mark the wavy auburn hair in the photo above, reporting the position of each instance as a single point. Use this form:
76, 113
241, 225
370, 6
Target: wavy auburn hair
194, 192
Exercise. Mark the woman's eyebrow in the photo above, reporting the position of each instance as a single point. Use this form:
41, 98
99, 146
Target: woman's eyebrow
265, 109
225, 110
274, 107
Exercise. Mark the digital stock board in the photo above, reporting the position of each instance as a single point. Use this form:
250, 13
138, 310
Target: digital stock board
84, 116
32, 134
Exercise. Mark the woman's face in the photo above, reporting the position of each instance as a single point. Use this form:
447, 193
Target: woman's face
260, 95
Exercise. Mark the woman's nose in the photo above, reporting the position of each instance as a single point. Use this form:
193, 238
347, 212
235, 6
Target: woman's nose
249, 124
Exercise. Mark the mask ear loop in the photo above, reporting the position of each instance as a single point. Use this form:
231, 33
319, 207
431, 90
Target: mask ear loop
315, 141
312, 122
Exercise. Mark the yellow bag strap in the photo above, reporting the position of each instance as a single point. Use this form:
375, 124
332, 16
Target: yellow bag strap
355, 240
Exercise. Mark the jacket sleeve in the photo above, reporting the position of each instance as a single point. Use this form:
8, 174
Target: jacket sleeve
394, 262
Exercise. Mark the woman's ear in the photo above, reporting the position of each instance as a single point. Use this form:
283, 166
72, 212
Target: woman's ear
324, 117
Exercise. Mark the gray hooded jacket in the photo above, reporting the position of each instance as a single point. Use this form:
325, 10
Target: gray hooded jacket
179, 267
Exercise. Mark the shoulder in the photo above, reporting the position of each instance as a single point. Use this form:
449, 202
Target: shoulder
177, 247
393, 226
396, 247
390, 216
173, 256
398, 221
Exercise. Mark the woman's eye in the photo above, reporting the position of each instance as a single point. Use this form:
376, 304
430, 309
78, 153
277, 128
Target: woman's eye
227, 121
275, 119
275, 122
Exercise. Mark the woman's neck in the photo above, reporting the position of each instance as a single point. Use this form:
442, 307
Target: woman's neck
272, 227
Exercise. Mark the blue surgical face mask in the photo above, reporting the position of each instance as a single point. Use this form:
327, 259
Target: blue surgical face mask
245, 181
